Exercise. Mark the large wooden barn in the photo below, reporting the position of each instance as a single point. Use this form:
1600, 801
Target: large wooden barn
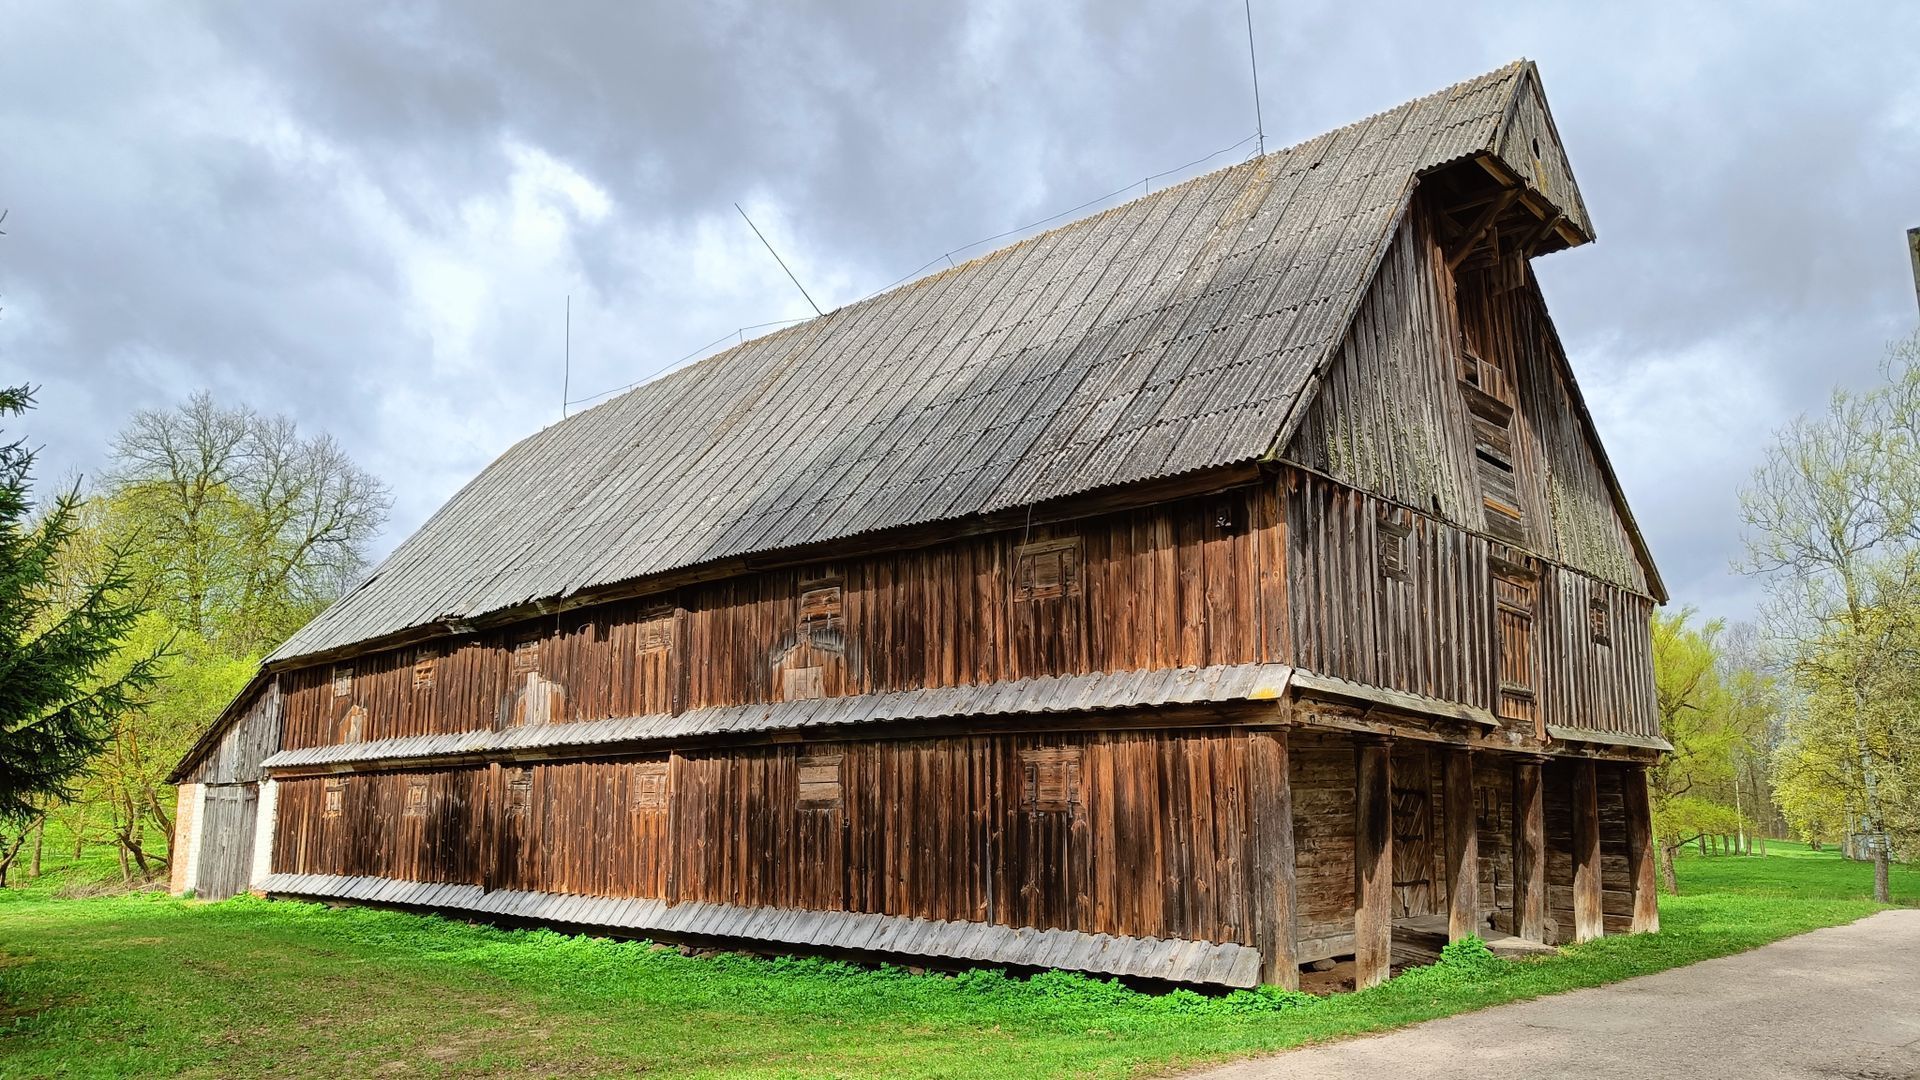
1228, 581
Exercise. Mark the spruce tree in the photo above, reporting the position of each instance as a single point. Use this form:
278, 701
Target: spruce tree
59, 632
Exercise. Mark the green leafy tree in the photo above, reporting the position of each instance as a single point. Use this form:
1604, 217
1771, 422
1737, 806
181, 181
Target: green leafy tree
1711, 710
59, 637
1833, 526
238, 529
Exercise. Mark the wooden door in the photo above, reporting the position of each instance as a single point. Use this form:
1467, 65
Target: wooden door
1515, 594
226, 838
1413, 891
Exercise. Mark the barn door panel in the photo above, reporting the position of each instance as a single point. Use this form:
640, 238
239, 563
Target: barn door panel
1516, 589
226, 852
1413, 853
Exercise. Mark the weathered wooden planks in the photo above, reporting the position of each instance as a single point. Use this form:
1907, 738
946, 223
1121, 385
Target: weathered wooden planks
1587, 914
1372, 863
1462, 847
1529, 852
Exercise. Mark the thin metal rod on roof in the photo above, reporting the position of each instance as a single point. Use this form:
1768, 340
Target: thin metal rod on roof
1253, 60
778, 259
566, 362
946, 256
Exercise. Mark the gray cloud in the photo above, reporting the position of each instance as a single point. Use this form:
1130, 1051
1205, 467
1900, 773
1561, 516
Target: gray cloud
369, 218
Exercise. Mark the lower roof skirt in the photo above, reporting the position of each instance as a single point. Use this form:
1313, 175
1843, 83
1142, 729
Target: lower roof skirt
1177, 960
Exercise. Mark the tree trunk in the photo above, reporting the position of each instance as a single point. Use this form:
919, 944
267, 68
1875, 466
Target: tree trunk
1667, 876
1882, 890
39, 841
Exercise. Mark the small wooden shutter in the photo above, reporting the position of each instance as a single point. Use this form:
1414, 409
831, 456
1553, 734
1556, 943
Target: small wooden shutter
819, 781
1514, 592
342, 680
1046, 570
656, 631
526, 653
334, 797
519, 791
1050, 779
1599, 621
423, 665
649, 791
416, 805
1395, 564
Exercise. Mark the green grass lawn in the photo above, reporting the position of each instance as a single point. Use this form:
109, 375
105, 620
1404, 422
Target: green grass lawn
145, 985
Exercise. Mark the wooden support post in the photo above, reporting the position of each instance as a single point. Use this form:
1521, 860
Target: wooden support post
1373, 863
1529, 852
1640, 850
1270, 855
1463, 847
1588, 923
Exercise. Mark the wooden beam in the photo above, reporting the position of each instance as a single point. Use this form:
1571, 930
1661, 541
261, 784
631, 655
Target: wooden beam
1549, 227
1588, 922
1463, 847
1373, 863
1529, 852
1480, 226
1270, 856
1640, 850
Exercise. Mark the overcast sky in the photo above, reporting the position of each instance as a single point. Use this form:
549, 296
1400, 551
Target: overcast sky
371, 221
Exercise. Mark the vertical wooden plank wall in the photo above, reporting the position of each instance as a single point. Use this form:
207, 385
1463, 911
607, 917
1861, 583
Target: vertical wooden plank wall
1390, 418
1183, 584
1431, 630
1155, 833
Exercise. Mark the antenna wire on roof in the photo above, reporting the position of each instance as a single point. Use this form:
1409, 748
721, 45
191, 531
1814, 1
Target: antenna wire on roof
566, 361
778, 259
1253, 60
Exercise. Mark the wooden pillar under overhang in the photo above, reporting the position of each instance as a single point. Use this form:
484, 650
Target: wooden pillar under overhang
1373, 862
1463, 847
1640, 850
1529, 851
1588, 922
1270, 855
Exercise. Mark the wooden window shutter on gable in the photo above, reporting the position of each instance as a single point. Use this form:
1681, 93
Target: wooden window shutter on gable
819, 779
821, 616
519, 791
649, 791
1395, 546
1046, 569
1050, 779
424, 662
333, 796
416, 804
526, 652
656, 630
1515, 593
342, 679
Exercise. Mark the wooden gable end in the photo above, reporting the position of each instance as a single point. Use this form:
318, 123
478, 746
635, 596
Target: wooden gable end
1529, 144
1451, 394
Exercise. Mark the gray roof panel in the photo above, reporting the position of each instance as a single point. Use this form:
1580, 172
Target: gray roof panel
1174, 333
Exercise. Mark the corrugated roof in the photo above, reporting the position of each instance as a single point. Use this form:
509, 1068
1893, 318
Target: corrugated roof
1171, 959
1174, 333
1098, 692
